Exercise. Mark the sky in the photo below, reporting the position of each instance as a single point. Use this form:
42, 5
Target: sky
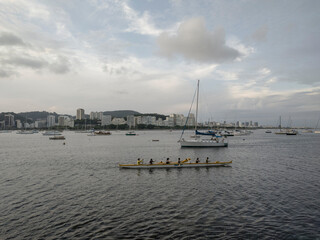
256, 60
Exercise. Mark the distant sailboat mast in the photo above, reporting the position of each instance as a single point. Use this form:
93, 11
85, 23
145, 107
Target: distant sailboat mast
196, 123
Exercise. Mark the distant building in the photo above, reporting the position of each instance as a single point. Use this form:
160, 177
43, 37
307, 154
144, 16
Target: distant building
51, 121
118, 121
130, 121
9, 120
65, 121
106, 120
40, 123
137, 120
61, 121
96, 115
18, 124
80, 114
2, 125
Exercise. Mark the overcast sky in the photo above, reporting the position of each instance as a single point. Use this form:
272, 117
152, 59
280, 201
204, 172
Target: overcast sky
256, 60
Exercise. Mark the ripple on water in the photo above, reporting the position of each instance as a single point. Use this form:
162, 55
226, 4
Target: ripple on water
76, 191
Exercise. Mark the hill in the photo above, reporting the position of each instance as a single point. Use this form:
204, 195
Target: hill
121, 113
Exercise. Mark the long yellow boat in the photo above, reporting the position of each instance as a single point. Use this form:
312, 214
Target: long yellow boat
182, 164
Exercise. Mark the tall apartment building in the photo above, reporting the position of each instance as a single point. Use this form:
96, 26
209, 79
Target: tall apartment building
130, 121
106, 120
51, 121
9, 120
96, 115
80, 114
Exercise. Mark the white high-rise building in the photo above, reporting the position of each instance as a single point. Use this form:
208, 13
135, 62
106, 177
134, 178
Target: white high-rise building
96, 115
130, 121
51, 121
80, 114
106, 120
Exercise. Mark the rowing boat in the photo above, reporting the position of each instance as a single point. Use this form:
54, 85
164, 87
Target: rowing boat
175, 165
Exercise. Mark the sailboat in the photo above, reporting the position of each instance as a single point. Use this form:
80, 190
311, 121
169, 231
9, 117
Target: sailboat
280, 130
214, 141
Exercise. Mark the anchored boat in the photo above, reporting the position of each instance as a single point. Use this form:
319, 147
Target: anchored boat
213, 141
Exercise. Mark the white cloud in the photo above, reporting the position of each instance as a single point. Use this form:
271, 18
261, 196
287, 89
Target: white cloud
139, 24
194, 42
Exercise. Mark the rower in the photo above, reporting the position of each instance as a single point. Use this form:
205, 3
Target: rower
168, 161
197, 161
179, 161
207, 160
151, 161
139, 161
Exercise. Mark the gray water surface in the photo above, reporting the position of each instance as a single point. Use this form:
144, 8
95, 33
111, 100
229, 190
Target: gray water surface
76, 191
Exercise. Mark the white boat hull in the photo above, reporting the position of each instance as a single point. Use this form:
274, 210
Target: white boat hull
174, 165
203, 143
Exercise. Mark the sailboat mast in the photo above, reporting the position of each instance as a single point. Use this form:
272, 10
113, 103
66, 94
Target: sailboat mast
196, 123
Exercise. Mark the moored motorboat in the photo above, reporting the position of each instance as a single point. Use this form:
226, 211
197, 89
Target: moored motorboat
100, 133
57, 138
131, 133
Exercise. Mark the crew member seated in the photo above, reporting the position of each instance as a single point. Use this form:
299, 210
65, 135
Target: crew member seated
151, 161
197, 161
139, 161
207, 160
179, 161
167, 162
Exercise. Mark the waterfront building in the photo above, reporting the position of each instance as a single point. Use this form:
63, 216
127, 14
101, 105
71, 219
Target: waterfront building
2, 125
137, 120
18, 124
40, 123
106, 120
96, 115
80, 114
9, 120
51, 121
118, 121
130, 121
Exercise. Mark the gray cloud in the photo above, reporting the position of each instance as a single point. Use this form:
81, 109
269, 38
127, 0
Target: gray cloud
8, 39
260, 34
193, 41
61, 66
5, 73
26, 62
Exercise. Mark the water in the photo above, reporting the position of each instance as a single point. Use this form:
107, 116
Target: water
76, 191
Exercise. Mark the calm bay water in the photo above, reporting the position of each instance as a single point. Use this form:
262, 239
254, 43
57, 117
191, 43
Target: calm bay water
76, 191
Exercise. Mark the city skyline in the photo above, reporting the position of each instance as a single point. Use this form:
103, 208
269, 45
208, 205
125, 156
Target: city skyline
255, 59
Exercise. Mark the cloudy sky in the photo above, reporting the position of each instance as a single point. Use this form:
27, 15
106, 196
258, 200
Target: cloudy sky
256, 60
